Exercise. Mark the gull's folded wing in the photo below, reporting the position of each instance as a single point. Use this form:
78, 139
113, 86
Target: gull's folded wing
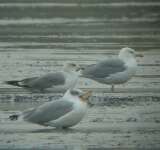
104, 68
48, 111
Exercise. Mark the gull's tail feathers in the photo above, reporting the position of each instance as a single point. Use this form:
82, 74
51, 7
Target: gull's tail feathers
15, 83
14, 117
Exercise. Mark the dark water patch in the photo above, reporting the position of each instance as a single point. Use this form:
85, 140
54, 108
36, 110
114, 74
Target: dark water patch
116, 39
122, 101
69, 147
73, 1
24, 102
21, 102
65, 25
78, 11
89, 47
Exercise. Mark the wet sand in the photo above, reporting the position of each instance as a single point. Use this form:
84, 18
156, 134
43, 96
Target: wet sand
126, 124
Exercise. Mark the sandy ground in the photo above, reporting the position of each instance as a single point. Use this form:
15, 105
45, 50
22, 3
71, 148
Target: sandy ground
132, 124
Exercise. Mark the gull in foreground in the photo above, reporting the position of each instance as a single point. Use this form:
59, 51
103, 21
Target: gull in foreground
62, 113
113, 71
59, 81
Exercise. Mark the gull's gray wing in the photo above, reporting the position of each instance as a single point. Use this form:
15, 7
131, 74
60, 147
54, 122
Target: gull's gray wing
48, 111
104, 68
26, 82
46, 81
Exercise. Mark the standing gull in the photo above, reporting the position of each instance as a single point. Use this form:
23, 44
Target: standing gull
59, 81
62, 113
113, 71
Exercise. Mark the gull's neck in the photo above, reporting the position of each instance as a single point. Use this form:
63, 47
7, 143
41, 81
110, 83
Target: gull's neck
68, 69
70, 98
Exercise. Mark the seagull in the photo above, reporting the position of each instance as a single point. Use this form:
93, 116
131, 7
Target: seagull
114, 70
62, 113
58, 81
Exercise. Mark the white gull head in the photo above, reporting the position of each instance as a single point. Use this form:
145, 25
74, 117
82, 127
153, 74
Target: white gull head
70, 67
77, 94
127, 53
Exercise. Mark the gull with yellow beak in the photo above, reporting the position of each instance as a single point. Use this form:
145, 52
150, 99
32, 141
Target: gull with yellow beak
114, 70
62, 113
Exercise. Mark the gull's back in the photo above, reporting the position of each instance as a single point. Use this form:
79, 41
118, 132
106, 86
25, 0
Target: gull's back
104, 68
47, 81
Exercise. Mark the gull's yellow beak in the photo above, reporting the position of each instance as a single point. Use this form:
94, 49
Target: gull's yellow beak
85, 96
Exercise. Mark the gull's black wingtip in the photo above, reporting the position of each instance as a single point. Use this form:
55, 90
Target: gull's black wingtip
14, 117
14, 83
